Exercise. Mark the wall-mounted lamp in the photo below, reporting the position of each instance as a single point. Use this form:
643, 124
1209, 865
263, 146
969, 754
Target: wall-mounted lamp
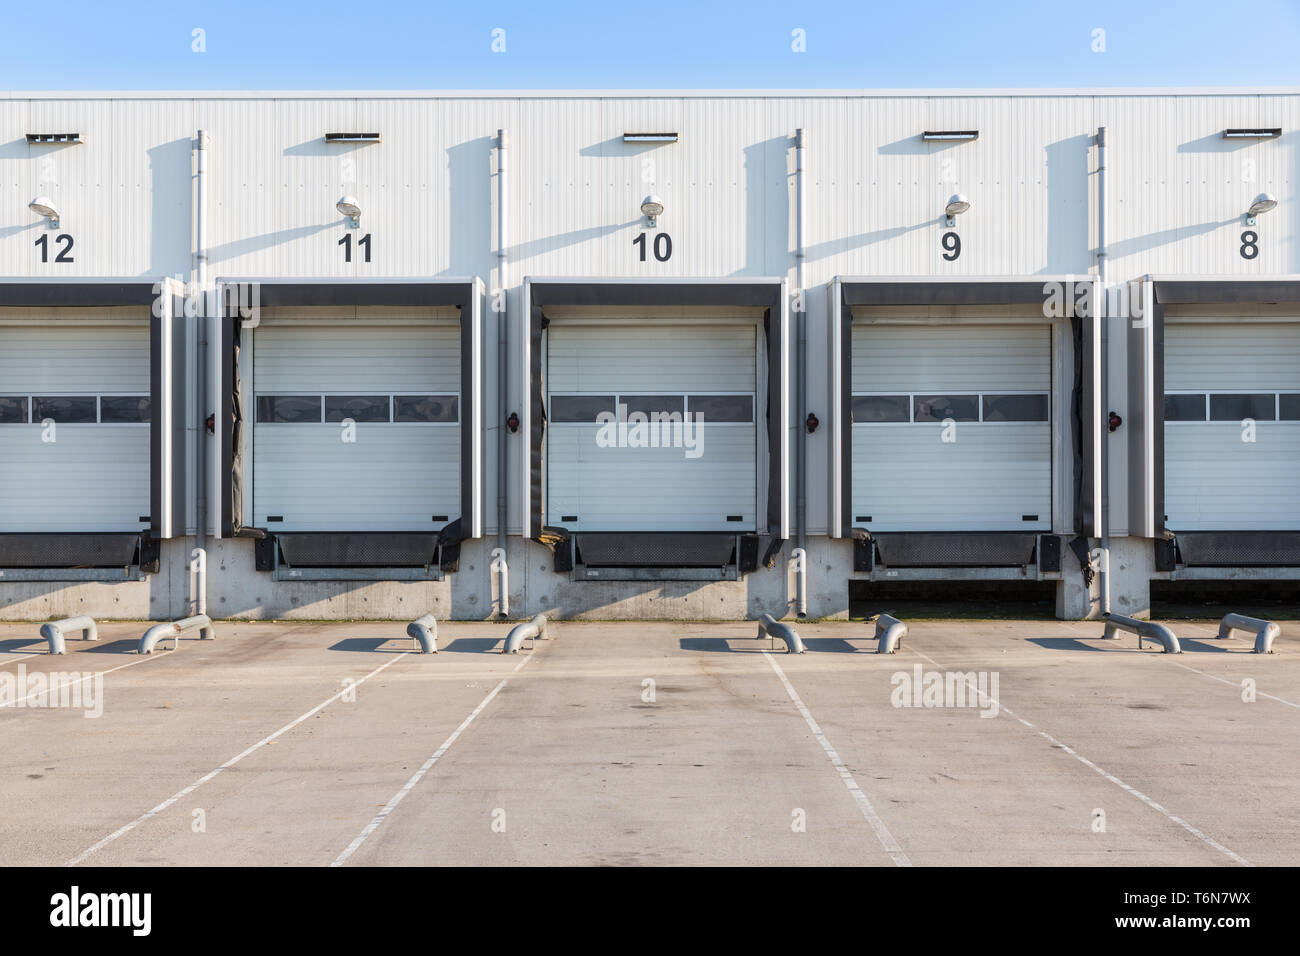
43, 206
1263, 203
512, 422
349, 207
812, 422
957, 205
652, 207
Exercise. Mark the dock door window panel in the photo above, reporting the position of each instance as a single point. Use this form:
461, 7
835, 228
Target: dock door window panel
92, 469
1231, 425
951, 427
652, 428
334, 409
357, 425
75, 409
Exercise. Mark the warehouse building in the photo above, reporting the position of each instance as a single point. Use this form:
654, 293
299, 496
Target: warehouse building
660, 355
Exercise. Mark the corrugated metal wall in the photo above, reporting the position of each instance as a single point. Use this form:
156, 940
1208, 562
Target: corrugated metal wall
876, 191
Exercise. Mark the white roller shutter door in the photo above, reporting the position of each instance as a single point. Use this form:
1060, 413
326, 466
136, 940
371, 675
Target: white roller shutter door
1232, 426
90, 471
989, 471
400, 384
601, 480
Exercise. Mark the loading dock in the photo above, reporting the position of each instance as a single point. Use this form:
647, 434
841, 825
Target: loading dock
964, 440
92, 405
365, 401
946, 218
1215, 457
658, 425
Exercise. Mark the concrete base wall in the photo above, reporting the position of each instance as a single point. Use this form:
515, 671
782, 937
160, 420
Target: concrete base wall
1132, 565
236, 590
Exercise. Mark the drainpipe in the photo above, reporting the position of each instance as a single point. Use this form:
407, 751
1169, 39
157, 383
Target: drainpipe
801, 399
199, 580
200, 372
1103, 572
503, 278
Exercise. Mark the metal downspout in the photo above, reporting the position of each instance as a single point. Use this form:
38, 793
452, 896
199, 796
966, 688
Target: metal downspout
801, 398
503, 278
1103, 572
199, 595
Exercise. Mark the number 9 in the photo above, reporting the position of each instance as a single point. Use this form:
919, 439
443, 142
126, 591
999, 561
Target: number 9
952, 243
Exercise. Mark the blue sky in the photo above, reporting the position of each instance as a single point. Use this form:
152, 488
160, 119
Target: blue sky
643, 44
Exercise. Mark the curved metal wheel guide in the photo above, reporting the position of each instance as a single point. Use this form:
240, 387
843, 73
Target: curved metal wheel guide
532, 630
424, 631
173, 629
890, 632
1265, 631
770, 626
53, 632
1148, 629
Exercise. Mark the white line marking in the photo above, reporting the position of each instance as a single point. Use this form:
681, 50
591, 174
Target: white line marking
864, 805
1235, 684
15, 660
391, 805
140, 660
1210, 841
226, 766
1224, 680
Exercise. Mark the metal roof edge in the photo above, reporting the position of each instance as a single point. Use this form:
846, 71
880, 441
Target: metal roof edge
1027, 92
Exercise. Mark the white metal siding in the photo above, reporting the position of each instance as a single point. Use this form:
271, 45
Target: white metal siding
1215, 480
1177, 192
395, 476
875, 197
652, 489
905, 477
91, 477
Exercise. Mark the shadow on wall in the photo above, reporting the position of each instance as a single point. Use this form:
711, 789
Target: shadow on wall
52, 600
318, 147
1289, 141
537, 247
470, 179
18, 149
835, 247
769, 172
7, 231
1291, 201
170, 193
1215, 143
1152, 240
916, 146
1068, 247
614, 146
268, 240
